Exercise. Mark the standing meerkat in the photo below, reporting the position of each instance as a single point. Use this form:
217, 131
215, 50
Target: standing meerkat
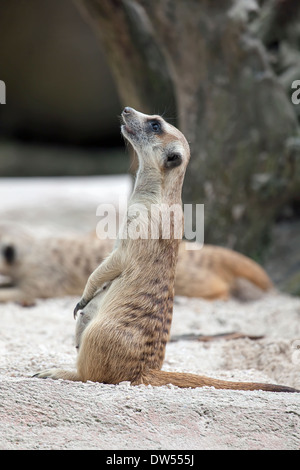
127, 336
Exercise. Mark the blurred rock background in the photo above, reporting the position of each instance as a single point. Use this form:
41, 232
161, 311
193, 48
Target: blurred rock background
62, 106
222, 72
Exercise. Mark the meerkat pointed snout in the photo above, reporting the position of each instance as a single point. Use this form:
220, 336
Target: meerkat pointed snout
155, 141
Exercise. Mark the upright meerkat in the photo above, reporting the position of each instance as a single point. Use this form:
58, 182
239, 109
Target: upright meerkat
127, 336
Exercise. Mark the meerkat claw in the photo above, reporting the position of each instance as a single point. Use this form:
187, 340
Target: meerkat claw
75, 312
79, 306
45, 374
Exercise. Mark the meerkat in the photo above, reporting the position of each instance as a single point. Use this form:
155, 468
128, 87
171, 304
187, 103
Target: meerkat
126, 339
46, 267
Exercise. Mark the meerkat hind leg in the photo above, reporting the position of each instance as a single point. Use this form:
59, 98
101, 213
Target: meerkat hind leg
14, 294
10, 294
58, 374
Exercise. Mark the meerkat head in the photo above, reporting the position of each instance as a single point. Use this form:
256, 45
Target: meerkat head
156, 142
13, 241
7, 256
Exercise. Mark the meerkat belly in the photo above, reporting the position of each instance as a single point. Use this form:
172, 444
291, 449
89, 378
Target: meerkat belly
129, 332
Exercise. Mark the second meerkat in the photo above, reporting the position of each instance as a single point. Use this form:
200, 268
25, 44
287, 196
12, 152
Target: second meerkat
130, 326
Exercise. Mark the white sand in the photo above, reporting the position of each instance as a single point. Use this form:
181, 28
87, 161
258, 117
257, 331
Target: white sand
46, 414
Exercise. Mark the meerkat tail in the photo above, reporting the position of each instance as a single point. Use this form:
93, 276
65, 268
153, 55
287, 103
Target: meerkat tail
186, 380
231, 263
241, 266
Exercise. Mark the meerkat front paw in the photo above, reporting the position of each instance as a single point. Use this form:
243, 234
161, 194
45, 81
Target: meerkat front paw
80, 306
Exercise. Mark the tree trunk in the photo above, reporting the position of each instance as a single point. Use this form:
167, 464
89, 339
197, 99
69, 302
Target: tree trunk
137, 64
198, 57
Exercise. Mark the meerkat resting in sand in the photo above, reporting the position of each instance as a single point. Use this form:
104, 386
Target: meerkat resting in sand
46, 267
127, 336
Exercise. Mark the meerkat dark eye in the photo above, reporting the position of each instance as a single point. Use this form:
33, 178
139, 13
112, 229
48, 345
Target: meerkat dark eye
9, 253
173, 160
155, 126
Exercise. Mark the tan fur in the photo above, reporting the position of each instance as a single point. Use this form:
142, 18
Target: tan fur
57, 266
46, 267
127, 336
215, 272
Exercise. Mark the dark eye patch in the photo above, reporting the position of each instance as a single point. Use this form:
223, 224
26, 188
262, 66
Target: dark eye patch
155, 126
9, 254
172, 160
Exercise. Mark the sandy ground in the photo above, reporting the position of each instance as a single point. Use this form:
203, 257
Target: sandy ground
46, 414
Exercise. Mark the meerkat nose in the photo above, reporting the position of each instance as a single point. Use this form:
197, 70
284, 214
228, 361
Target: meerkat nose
127, 110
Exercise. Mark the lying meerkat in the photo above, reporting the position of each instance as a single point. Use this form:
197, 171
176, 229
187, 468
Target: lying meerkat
127, 336
57, 266
45, 267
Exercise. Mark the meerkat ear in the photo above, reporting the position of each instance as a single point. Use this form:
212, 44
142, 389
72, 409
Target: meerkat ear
172, 160
9, 254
